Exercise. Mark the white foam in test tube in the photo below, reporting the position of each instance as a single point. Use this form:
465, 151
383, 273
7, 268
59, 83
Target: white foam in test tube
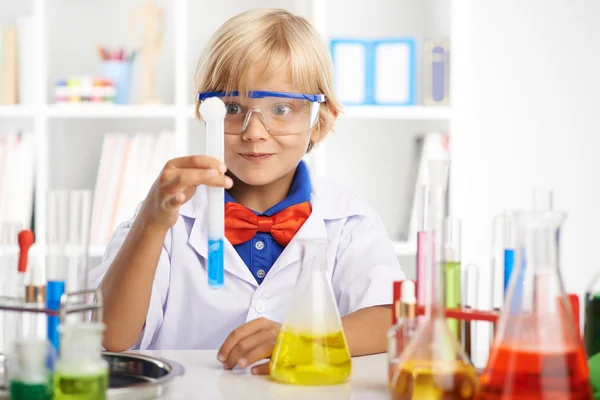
212, 111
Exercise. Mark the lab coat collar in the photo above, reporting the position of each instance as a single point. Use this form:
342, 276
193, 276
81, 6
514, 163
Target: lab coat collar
328, 201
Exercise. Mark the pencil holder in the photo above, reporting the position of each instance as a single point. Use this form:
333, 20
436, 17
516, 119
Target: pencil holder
120, 73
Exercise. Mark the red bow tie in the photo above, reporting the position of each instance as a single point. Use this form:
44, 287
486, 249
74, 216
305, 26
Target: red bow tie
241, 224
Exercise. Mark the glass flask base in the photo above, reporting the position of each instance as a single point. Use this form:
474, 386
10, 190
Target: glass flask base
438, 380
86, 387
528, 375
308, 359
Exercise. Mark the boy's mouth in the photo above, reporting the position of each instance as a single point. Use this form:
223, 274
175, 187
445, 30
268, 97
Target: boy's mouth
256, 157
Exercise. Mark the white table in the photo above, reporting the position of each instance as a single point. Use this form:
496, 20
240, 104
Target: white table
205, 378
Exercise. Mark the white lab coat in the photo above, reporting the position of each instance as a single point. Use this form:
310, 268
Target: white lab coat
185, 313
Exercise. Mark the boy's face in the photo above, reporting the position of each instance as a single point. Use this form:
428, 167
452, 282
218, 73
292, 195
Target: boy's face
258, 158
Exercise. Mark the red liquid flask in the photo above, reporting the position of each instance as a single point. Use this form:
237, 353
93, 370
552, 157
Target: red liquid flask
537, 352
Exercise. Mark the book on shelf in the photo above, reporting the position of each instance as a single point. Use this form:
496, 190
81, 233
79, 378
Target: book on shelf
17, 62
17, 179
129, 165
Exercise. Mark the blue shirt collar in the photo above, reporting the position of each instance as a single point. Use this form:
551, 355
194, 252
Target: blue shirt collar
299, 191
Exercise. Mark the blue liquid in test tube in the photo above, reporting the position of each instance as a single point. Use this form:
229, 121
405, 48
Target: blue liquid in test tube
54, 291
215, 263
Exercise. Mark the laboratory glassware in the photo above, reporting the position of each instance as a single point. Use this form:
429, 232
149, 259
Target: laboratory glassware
57, 203
452, 275
213, 113
9, 288
469, 292
423, 224
537, 352
591, 331
405, 326
80, 371
434, 366
311, 347
30, 369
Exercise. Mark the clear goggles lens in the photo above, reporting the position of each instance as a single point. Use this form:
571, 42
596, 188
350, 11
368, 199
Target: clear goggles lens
279, 115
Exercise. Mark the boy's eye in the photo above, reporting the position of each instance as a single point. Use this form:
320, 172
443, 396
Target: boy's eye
233, 109
281, 109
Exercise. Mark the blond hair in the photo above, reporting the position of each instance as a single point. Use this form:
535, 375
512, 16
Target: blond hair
271, 39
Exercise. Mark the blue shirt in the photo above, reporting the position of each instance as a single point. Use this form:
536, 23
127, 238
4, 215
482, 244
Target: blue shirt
261, 252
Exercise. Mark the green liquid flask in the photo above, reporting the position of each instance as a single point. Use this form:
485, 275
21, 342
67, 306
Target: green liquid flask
29, 375
80, 372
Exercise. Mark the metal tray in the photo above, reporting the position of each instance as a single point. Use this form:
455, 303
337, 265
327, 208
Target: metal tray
135, 376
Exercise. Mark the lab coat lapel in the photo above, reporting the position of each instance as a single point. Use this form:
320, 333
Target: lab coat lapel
198, 240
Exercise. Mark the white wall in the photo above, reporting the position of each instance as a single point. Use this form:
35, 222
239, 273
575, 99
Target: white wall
526, 97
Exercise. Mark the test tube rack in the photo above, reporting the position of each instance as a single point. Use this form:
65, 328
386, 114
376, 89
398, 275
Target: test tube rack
67, 307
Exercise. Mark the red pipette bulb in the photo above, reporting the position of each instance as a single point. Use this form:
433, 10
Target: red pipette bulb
26, 239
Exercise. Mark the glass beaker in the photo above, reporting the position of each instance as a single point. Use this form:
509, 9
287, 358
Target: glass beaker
537, 352
311, 348
434, 366
80, 371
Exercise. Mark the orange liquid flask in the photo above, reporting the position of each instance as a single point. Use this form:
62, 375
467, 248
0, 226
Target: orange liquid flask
433, 366
537, 352
311, 348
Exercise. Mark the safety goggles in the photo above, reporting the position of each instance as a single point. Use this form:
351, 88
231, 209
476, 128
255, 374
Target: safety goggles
281, 113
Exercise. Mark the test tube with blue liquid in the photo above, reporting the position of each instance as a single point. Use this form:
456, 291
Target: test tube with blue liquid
212, 111
69, 218
56, 257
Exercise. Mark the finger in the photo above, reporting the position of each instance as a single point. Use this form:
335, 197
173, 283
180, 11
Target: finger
239, 353
194, 177
262, 369
172, 202
203, 162
239, 334
258, 353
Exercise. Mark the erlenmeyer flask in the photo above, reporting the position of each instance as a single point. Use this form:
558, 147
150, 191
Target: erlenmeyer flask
311, 348
537, 353
434, 366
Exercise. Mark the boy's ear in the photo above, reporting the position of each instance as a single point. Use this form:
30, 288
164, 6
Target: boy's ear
321, 130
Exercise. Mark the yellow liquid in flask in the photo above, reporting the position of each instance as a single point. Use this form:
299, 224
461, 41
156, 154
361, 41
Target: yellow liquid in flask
436, 380
309, 359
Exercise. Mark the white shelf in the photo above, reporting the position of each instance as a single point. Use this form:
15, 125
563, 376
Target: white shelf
110, 111
16, 111
408, 248
397, 112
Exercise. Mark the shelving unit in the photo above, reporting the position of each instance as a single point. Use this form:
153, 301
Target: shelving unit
369, 150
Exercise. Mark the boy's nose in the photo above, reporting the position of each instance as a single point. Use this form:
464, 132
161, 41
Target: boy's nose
256, 128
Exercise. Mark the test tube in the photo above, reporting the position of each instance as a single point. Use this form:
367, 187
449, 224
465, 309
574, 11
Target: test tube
80, 209
213, 111
9, 257
56, 261
452, 274
469, 285
422, 232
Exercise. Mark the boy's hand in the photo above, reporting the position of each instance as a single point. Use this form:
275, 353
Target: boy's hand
177, 183
250, 343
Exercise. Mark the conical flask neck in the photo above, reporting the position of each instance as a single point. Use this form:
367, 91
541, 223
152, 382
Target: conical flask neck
538, 233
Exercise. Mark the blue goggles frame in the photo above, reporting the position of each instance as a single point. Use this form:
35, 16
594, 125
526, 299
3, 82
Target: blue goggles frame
259, 94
